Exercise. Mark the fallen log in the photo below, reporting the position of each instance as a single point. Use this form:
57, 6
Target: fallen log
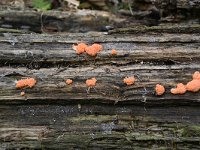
98, 127
56, 21
53, 115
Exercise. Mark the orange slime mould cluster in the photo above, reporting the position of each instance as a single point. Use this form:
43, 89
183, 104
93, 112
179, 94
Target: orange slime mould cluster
69, 81
97, 47
194, 85
180, 89
90, 50
129, 80
196, 76
160, 90
94, 49
29, 82
91, 82
80, 48
113, 52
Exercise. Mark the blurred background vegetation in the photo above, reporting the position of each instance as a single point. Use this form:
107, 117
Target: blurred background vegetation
165, 9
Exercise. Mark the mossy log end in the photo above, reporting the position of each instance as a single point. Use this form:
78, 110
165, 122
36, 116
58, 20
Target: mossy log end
53, 115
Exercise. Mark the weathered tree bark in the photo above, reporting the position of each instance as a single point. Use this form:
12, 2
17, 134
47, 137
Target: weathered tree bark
165, 28
53, 115
56, 21
99, 127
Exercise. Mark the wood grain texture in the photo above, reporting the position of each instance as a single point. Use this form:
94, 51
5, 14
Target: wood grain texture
53, 115
99, 127
167, 60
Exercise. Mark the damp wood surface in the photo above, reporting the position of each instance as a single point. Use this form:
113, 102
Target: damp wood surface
53, 115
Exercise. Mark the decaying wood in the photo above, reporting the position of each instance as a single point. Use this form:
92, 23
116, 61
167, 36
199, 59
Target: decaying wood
56, 21
164, 10
179, 3
99, 127
195, 28
6, 30
53, 115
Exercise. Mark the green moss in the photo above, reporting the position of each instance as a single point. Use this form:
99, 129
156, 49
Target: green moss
122, 119
85, 5
144, 136
41, 4
191, 131
99, 118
